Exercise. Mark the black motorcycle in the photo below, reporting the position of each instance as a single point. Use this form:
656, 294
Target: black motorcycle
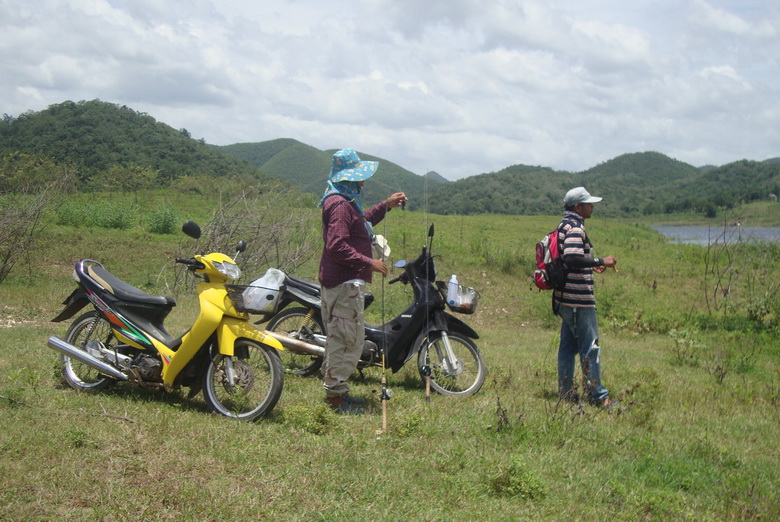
442, 342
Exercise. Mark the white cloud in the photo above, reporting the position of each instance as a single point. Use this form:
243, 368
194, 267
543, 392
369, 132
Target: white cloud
460, 87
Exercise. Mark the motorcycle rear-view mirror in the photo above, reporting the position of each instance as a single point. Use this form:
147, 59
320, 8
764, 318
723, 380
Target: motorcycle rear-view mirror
401, 263
241, 246
191, 228
430, 231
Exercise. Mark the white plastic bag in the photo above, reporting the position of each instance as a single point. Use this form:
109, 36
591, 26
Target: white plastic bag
262, 295
379, 248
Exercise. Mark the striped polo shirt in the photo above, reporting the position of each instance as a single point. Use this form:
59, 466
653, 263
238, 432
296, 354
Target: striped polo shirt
579, 281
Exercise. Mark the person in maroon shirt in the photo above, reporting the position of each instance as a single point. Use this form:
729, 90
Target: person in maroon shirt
346, 266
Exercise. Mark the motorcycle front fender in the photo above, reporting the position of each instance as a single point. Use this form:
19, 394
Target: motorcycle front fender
232, 329
453, 325
456, 325
73, 303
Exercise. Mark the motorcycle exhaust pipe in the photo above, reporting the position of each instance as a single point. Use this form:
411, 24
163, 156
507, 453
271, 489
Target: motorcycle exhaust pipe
296, 345
80, 355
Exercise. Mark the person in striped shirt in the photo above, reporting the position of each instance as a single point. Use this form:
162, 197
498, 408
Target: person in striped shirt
576, 303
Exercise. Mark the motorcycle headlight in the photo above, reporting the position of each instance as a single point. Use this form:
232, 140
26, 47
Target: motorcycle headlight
229, 270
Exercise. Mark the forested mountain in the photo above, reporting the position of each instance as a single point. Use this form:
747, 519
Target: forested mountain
107, 141
436, 177
631, 184
307, 168
95, 136
519, 189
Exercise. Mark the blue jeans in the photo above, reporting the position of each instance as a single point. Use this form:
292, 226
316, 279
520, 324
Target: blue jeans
580, 335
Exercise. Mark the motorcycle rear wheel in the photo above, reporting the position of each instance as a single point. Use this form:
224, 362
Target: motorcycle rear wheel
463, 378
260, 382
296, 323
89, 326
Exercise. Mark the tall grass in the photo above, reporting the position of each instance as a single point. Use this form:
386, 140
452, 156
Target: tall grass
696, 437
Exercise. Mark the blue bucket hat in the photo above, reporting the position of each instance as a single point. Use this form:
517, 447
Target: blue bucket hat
347, 166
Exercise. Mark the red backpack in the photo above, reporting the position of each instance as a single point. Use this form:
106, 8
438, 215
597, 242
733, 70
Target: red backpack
550, 273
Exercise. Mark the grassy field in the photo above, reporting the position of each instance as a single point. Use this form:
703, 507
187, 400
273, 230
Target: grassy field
697, 375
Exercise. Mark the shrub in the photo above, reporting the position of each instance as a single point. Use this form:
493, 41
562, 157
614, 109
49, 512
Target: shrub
28, 185
163, 220
100, 214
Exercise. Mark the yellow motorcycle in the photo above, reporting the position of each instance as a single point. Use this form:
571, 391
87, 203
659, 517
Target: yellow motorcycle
234, 363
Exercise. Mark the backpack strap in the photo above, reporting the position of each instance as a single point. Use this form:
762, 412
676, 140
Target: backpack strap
561, 226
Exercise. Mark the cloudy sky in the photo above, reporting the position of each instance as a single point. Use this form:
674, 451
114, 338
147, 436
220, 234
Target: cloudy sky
461, 87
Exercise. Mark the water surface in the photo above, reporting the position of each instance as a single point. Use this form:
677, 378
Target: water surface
710, 235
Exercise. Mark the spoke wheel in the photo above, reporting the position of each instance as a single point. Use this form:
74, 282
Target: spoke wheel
301, 324
463, 376
258, 383
88, 327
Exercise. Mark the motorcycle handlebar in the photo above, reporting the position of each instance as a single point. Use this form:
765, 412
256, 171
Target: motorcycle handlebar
395, 280
191, 263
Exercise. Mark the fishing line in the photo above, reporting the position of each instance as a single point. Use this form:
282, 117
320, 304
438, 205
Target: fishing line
426, 369
383, 380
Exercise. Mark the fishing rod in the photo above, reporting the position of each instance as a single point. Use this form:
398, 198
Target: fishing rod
386, 394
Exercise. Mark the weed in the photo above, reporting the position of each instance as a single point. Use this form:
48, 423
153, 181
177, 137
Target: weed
687, 347
503, 417
517, 480
316, 419
408, 425
26, 378
78, 438
773, 389
719, 365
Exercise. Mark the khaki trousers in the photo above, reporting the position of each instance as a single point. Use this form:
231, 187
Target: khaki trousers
342, 312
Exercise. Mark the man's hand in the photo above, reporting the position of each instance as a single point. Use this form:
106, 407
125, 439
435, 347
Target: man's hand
377, 265
606, 261
396, 200
609, 261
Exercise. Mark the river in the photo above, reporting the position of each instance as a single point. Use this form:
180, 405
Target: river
708, 235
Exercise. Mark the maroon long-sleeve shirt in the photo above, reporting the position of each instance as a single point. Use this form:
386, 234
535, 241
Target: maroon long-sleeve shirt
346, 254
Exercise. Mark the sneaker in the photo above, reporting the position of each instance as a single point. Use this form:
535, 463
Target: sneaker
608, 404
339, 405
359, 401
571, 397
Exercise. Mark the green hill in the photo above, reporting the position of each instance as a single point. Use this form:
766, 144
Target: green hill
94, 136
631, 184
116, 142
307, 167
735, 183
519, 189
436, 177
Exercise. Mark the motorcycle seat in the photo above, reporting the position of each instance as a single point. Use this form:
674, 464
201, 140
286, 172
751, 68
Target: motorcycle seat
124, 291
305, 285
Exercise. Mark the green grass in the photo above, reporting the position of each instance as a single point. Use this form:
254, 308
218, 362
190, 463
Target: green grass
697, 438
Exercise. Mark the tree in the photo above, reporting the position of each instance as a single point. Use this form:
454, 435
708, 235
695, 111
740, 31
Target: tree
28, 185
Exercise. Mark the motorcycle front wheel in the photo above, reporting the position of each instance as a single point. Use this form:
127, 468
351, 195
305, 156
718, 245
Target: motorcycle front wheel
302, 324
463, 376
88, 327
258, 384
